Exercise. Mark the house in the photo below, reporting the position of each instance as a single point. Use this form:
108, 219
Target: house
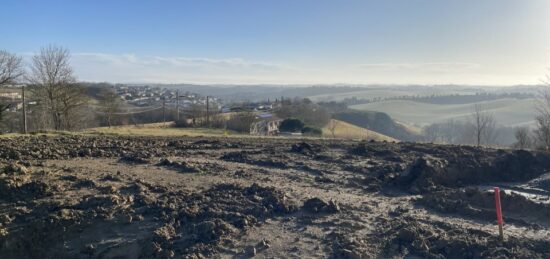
11, 95
267, 127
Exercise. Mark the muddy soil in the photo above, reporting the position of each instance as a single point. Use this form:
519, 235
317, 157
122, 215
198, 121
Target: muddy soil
145, 197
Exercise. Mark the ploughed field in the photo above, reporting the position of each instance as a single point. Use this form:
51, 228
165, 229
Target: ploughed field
146, 197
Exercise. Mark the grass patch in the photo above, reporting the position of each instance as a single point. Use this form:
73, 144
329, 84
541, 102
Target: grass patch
157, 131
349, 131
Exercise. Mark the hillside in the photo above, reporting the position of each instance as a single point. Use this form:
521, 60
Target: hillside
349, 131
389, 92
507, 111
261, 92
377, 121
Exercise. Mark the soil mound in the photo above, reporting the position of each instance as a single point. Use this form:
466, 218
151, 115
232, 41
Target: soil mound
180, 166
137, 158
410, 237
430, 173
479, 204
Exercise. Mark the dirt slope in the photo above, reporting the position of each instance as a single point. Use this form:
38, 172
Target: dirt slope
144, 197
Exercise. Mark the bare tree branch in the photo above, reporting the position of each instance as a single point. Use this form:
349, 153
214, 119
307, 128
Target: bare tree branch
542, 131
10, 68
484, 125
110, 103
523, 140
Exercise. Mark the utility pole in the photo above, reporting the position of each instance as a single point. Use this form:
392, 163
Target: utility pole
164, 112
207, 112
24, 110
177, 106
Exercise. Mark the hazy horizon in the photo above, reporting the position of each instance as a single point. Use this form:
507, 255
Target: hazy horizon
434, 42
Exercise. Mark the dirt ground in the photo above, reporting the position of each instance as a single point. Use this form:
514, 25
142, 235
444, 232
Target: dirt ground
193, 197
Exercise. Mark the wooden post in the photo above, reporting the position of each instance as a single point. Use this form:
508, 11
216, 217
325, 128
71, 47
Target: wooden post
164, 112
499, 213
207, 112
24, 110
177, 105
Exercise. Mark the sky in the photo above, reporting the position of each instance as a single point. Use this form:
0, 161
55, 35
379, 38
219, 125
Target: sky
476, 42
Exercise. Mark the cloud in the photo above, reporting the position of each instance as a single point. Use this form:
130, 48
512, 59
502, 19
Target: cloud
421, 67
131, 68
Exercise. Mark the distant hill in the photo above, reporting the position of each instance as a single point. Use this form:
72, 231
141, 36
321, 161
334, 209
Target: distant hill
260, 92
377, 121
350, 131
507, 111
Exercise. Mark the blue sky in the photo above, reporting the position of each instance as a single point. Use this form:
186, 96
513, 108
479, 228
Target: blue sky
500, 42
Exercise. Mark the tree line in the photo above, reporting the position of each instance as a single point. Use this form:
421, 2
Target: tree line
442, 99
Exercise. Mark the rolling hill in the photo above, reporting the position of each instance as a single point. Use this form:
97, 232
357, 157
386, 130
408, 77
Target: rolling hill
377, 121
507, 111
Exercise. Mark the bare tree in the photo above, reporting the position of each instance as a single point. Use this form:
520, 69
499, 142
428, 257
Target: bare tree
55, 85
3, 108
110, 103
10, 71
484, 125
432, 133
332, 125
72, 100
197, 112
241, 122
542, 131
523, 139
10, 68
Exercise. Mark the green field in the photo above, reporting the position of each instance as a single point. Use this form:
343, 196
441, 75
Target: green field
508, 112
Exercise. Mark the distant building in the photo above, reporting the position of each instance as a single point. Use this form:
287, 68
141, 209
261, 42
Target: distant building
11, 95
268, 127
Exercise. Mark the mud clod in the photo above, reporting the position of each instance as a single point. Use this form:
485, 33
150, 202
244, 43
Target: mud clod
180, 166
316, 205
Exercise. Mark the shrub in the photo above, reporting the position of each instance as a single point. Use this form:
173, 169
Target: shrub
304, 110
312, 131
291, 125
183, 123
217, 121
241, 122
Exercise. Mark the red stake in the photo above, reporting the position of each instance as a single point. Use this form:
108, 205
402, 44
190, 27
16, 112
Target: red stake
499, 213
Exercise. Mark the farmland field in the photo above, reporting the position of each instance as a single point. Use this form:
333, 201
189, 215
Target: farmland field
507, 111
